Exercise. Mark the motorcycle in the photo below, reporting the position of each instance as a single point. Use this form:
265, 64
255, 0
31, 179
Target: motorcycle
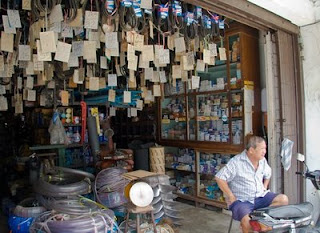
290, 218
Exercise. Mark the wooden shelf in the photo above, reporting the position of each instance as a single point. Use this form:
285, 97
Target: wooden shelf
56, 146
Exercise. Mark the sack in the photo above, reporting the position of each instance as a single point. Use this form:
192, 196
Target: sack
57, 132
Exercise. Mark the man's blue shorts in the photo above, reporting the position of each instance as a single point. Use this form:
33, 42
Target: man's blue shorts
240, 209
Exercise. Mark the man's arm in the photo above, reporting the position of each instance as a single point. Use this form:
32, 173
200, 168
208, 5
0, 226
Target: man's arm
266, 183
223, 185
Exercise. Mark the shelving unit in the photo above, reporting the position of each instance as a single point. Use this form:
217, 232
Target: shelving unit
193, 171
217, 117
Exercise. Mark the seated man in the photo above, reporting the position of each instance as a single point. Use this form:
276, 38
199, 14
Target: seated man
244, 181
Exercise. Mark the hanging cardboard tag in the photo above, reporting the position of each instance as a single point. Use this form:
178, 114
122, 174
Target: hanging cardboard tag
30, 82
103, 62
176, 71
89, 50
6, 42
77, 21
132, 79
8, 28
143, 64
156, 77
66, 30
148, 74
2, 90
171, 42
134, 112
76, 77
127, 97
19, 83
146, 4
163, 78
111, 40
63, 52
222, 54
156, 90
73, 61
64, 98
14, 18
102, 83
51, 84
77, 48
94, 84
147, 53
91, 20
184, 76
180, 45
31, 95
3, 103
56, 14
130, 53
164, 56
37, 65
48, 42
151, 29
112, 111
195, 82
1, 63
138, 42
111, 95
112, 80
132, 64
41, 55
200, 65
213, 50
139, 105
26, 5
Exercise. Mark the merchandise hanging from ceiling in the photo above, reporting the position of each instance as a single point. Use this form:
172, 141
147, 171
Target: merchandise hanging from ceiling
125, 52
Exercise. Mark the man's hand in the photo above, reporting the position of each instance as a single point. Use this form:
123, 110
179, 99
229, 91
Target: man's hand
230, 199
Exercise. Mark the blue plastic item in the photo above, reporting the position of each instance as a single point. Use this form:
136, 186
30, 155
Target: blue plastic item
19, 224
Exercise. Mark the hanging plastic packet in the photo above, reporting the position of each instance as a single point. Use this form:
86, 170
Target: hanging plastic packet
110, 6
137, 9
198, 12
126, 3
164, 11
147, 11
215, 18
190, 18
221, 23
177, 9
207, 22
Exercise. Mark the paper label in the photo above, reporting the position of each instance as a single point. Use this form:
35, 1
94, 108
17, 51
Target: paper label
8, 28
3, 103
73, 61
147, 53
164, 56
26, 5
103, 62
200, 65
77, 22
64, 98
222, 54
14, 18
112, 111
30, 82
146, 4
138, 42
127, 97
89, 52
111, 39
63, 52
148, 74
102, 83
48, 42
91, 19
94, 84
139, 105
111, 95
41, 55
176, 71
156, 90
134, 112
31, 95
195, 82
77, 48
37, 65
132, 64
6, 42
163, 78
66, 30
213, 50
180, 45
56, 14
112, 80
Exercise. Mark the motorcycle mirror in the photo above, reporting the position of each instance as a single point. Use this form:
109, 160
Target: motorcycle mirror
300, 157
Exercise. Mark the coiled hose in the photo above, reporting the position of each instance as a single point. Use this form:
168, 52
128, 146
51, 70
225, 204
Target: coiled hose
64, 182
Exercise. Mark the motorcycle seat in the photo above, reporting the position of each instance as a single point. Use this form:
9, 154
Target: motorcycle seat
288, 211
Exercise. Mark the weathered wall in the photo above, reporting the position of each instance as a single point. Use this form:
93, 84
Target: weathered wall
311, 71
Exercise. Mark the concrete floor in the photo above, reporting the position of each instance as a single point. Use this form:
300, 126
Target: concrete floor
196, 220
203, 220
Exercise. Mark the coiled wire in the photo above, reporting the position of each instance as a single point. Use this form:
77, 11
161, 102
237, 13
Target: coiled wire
64, 182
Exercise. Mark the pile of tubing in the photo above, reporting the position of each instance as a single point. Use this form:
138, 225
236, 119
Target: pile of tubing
109, 187
79, 215
23, 215
64, 182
